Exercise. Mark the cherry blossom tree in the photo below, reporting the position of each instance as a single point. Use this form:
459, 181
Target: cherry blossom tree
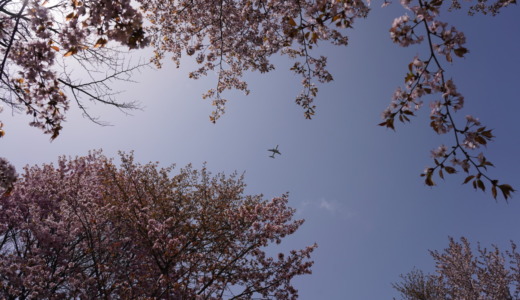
236, 36
426, 77
89, 229
232, 37
40, 37
462, 274
51, 47
7, 175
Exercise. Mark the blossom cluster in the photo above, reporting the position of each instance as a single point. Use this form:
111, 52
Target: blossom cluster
231, 37
462, 273
136, 231
426, 78
7, 174
403, 33
37, 34
452, 40
38, 40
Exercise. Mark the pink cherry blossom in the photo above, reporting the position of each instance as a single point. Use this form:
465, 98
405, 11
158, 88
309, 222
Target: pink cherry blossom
426, 76
88, 229
464, 273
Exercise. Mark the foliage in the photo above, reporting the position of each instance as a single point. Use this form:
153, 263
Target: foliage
426, 77
236, 36
230, 38
461, 274
44, 43
90, 229
7, 175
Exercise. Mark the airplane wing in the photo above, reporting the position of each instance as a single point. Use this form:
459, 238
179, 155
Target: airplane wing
275, 151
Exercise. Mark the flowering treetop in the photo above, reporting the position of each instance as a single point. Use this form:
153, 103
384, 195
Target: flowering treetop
465, 274
38, 38
88, 229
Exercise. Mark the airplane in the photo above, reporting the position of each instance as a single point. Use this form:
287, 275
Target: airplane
275, 151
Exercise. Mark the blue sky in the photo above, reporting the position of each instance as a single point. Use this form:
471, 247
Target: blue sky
356, 184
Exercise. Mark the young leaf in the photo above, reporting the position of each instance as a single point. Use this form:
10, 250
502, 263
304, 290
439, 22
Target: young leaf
450, 170
468, 179
506, 190
72, 51
460, 51
69, 16
101, 42
480, 140
481, 185
428, 180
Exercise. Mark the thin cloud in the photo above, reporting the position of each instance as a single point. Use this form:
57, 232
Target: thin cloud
327, 205
331, 207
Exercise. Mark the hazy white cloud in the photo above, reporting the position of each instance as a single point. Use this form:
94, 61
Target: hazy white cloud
328, 205
332, 207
